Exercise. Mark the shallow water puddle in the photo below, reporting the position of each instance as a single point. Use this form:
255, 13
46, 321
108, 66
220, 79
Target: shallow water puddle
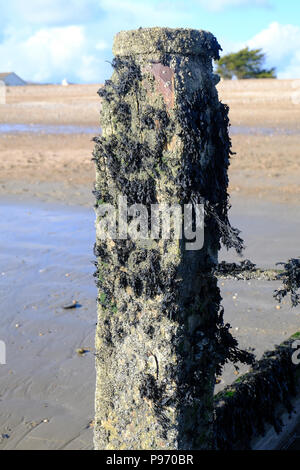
72, 129
47, 129
61, 230
245, 130
45, 264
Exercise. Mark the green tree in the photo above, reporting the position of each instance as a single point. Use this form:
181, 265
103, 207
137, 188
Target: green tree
246, 63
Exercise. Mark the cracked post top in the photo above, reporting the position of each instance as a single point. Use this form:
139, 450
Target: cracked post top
167, 40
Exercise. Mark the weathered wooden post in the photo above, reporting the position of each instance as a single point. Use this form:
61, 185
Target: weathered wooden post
159, 332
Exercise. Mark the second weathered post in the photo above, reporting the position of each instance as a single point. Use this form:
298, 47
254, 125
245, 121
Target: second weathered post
160, 337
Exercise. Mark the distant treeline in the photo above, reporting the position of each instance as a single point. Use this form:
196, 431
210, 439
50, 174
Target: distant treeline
245, 63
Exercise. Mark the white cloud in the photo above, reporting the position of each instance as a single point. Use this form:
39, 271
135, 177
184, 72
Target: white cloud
128, 14
102, 45
45, 40
39, 46
51, 52
217, 5
50, 12
292, 70
229, 46
281, 43
55, 45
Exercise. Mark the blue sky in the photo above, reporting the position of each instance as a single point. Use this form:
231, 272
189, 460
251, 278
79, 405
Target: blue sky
49, 40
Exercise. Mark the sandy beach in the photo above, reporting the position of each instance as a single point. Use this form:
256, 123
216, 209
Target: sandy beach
47, 236
265, 131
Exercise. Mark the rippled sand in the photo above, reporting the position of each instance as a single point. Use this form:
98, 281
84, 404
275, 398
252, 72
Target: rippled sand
46, 238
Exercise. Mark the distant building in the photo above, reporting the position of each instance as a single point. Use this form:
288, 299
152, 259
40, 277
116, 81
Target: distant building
11, 79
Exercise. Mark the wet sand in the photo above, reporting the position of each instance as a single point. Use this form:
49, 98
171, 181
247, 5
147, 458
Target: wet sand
46, 387
46, 129
47, 234
48, 167
265, 131
47, 390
